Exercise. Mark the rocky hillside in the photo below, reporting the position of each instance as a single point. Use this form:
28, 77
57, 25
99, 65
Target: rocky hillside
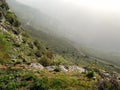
27, 64
17, 45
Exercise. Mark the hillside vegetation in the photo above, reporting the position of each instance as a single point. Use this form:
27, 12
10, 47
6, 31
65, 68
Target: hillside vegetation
27, 64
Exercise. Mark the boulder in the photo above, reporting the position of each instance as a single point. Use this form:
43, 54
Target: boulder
63, 69
36, 66
76, 69
51, 68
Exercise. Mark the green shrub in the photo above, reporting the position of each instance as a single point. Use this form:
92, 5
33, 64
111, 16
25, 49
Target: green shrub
38, 54
12, 86
59, 60
49, 54
2, 86
45, 61
90, 74
5, 47
37, 44
29, 76
8, 79
12, 19
40, 84
23, 83
60, 83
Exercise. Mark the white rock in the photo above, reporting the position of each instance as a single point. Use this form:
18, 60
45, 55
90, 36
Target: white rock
63, 69
76, 69
36, 66
51, 68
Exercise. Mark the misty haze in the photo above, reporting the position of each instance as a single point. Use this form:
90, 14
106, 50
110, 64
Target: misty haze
95, 26
59, 45
92, 26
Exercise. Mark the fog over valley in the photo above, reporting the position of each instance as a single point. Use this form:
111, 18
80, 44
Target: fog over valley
96, 26
92, 24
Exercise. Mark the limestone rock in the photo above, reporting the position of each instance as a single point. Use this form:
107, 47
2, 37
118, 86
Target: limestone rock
63, 69
76, 69
36, 66
51, 68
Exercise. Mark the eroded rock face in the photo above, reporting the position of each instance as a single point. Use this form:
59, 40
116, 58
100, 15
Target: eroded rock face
36, 66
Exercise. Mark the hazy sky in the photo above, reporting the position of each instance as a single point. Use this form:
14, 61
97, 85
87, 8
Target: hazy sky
94, 22
96, 4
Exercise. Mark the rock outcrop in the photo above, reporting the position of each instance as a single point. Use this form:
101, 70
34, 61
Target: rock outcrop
36, 66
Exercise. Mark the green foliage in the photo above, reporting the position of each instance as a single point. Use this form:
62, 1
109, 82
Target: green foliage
40, 84
8, 79
12, 19
29, 76
90, 74
4, 44
59, 60
17, 79
49, 54
12, 86
38, 44
56, 60
5, 47
38, 53
58, 84
45, 61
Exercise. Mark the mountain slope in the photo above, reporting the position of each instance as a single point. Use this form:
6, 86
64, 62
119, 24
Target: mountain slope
72, 51
27, 64
45, 25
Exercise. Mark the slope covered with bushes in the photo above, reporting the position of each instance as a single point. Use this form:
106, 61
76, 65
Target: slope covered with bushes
27, 64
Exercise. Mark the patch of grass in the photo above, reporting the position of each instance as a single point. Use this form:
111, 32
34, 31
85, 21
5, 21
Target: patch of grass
13, 79
59, 83
29, 76
40, 84
59, 60
5, 47
45, 61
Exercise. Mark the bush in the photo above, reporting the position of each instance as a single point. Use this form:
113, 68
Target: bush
37, 44
12, 86
49, 54
5, 47
12, 19
38, 54
40, 84
90, 74
8, 79
29, 76
59, 60
45, 61
60, 83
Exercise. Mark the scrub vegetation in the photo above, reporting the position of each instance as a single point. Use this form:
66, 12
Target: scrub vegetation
28, 64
